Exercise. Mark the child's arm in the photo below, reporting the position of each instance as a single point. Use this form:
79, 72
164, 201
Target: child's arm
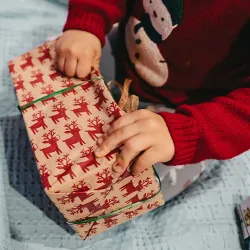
88, 21
219, 129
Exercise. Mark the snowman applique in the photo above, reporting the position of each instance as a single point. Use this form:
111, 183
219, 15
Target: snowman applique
143, 37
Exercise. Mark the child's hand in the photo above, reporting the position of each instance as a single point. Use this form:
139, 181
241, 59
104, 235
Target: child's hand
77, 51
139, 132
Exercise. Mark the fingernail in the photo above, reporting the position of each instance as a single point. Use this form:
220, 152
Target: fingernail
135, 175
117, 168
98, 151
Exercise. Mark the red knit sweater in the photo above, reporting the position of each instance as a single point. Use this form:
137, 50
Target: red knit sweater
194, 54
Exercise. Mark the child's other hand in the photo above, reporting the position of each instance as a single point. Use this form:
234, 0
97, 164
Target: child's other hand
77, 51
141, 132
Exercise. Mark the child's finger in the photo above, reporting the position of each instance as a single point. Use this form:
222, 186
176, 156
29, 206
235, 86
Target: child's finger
83, 67
117, 138
131, 149
61, 62
70, 66
146, 160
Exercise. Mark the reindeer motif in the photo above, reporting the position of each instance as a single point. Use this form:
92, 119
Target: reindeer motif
79, 191
44, 175
65, 164
110, 155
97, 125
88, 84
28, 98
133, 199
83, 106
113, 111
61, 112
92, 231
11, 67
125, 175
38, 118
110, 221
44, 49
153, 205
28, 61
34, 147
148, 195
99, 95
90, 161
38, 75
47, 90
130, 188
18, 83
53, 76
66, 84
92, 207
74, 130
132, 214
105, 177
51, 138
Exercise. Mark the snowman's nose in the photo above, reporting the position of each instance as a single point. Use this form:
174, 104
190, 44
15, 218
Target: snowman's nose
155, 14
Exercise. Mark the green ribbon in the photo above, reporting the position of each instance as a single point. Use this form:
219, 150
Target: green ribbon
93, 219
22, 108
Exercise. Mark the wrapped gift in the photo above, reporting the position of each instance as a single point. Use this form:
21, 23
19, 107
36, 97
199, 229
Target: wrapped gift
64, 118
244, 214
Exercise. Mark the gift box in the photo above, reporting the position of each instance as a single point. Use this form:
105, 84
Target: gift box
244, 214
64, 118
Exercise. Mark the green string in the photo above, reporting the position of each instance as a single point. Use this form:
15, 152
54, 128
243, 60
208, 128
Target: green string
93, 219
22, 108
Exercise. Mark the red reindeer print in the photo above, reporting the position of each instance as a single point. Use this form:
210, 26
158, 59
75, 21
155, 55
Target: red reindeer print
47, 90
86, 86
38, 78
92, 207
74, 129
110, 221
34, 147
92, 231
19, 83
90, 159
61, 112
113, 111
153, 205
38, 118
132, 214
133, 200
64, 163
125, 175
130, 188
11, 67
28, 61
55, 75
52, 139
110, 155
99, 95
148, 195
45, 174
83, 106
66, 84
97, 126
28, 98
80, 191
44, 49
105, 177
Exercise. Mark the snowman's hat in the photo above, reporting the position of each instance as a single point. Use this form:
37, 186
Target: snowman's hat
175, 8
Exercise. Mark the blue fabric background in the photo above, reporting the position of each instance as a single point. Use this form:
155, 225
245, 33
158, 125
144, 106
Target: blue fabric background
202, 218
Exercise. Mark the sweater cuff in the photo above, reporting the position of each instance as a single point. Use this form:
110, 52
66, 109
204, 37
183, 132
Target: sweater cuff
79, 19
185, 135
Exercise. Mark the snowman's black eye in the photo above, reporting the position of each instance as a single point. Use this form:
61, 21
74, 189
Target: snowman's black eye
162, 19
150, 1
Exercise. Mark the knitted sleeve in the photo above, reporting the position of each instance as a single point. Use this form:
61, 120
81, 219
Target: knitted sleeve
95, 16
219, 129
